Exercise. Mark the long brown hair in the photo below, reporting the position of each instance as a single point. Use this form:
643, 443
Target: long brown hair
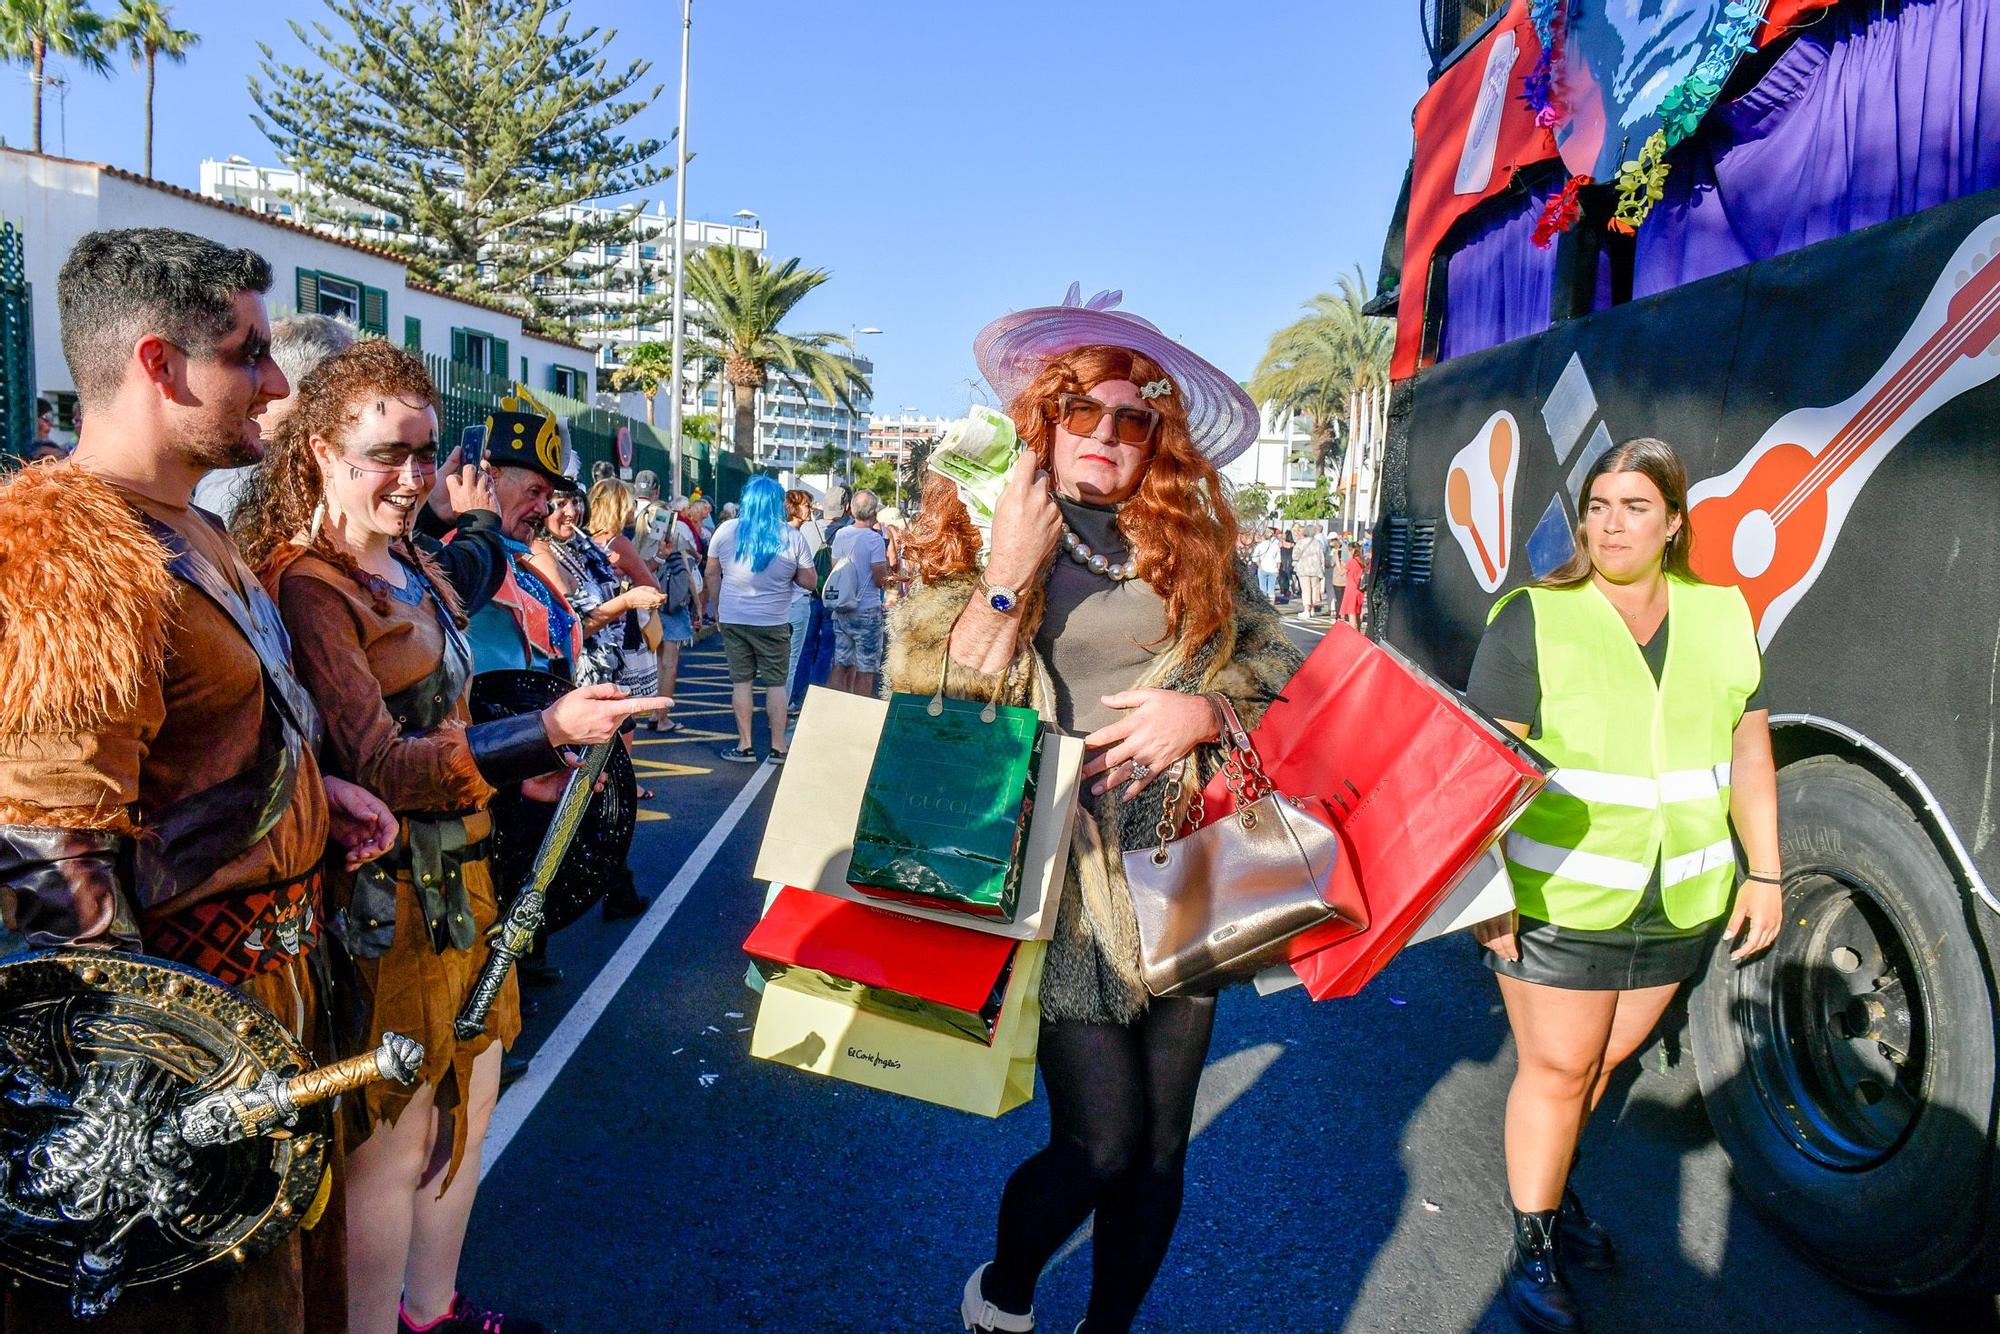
1659, 464
1181, 527
287, 488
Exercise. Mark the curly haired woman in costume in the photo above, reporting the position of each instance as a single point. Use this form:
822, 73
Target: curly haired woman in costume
377, 639
1112, 600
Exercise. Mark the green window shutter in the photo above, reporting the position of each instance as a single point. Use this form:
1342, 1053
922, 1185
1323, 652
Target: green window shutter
498, 365
308, 292
555, 374
458, 346
413, 333
374, 311
524, 368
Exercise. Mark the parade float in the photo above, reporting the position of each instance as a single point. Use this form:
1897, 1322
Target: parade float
1769, 234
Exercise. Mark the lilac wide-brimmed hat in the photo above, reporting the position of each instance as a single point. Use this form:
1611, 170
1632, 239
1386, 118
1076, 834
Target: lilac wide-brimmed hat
1013, 349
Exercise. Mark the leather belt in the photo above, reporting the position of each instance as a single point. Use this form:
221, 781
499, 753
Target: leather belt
236, 935
434, 850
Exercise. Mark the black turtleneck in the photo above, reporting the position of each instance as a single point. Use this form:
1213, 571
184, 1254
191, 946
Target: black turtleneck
1097, 636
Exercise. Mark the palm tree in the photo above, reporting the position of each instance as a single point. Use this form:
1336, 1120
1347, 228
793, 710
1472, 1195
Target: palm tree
1315, 364
743, 299
146, 29
33, 30
646, 367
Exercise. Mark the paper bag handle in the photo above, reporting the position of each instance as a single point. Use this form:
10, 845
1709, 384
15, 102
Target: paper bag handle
936, 706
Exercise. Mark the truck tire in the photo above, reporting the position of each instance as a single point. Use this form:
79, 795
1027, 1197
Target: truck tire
1849, 1071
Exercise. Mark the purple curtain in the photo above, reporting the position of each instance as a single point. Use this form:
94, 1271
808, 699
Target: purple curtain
1498, 283
1878, 110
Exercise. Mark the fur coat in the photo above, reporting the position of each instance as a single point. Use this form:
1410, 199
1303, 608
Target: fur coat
1093, 963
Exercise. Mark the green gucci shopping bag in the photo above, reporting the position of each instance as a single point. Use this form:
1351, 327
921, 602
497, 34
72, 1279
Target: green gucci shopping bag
944, 817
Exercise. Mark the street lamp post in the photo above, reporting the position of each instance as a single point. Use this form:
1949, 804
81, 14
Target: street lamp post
680, 257
903, 450
853, 346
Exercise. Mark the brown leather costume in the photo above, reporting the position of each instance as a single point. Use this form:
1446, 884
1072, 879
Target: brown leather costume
392, 677
125, 694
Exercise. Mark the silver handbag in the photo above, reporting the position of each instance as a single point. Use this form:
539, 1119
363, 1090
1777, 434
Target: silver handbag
1218, 905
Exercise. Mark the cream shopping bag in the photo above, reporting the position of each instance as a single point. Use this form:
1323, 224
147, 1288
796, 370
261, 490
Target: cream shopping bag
825, 1025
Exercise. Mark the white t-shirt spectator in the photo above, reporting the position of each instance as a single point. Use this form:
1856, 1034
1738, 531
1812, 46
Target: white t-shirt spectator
758, 597
1268, 555
867, 548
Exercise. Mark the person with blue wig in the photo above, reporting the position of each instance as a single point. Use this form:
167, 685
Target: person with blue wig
754, 562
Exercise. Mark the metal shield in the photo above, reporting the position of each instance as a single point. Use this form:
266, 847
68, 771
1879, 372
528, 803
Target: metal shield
597, 855
98, 1191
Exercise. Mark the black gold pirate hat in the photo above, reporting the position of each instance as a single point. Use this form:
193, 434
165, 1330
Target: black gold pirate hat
520, 433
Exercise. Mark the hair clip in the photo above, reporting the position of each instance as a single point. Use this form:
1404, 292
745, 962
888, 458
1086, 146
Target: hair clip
1159, 388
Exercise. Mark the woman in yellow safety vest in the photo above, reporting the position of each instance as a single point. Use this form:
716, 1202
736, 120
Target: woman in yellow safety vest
1641, 685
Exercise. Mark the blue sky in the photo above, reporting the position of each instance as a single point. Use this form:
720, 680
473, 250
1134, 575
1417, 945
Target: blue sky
946, 161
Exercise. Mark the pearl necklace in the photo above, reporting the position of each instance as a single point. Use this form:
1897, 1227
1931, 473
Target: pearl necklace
1095, 561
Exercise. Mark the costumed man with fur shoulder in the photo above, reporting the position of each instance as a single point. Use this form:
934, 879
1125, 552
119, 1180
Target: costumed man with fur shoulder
159, 793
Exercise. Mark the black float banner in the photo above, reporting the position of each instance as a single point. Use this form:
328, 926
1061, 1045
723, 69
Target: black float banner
1866, 532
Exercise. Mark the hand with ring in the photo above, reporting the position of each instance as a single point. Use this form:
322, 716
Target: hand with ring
1157, 731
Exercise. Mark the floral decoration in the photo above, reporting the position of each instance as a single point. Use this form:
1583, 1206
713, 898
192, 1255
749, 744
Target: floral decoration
1560, 214
1642, 181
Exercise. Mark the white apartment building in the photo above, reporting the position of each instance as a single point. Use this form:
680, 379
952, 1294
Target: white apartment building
640, 269
793, 426
891, 437
629, 271
56, 200
1280, 460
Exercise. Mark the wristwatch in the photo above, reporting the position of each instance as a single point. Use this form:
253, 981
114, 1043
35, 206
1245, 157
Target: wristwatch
998, 596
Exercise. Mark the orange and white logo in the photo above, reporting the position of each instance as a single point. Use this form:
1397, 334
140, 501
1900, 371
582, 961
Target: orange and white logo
1479, 498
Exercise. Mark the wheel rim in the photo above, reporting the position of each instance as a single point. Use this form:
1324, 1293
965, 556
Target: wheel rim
1837, 1022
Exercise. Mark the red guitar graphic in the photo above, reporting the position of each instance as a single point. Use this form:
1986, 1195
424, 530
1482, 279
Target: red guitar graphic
1770, 522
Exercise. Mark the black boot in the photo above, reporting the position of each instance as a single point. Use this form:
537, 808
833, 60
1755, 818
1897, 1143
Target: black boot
624, 899
1580, 1236
1534, 1286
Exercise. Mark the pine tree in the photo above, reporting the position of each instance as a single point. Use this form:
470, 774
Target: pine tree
475, 122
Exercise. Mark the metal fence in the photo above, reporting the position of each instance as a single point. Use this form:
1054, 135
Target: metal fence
17, 343
466, 395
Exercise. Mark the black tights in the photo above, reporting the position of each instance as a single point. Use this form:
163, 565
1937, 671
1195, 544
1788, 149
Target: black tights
1121, 1105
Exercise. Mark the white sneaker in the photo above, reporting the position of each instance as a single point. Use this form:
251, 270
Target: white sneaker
980, 1314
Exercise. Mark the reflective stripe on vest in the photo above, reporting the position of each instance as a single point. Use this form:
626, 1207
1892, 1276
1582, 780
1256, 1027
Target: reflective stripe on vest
1642, 767
1644, 793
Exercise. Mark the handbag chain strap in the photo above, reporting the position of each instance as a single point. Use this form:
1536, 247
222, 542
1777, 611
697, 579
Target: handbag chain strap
1241, 770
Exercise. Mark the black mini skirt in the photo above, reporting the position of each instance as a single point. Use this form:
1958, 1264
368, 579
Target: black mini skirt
1645, 950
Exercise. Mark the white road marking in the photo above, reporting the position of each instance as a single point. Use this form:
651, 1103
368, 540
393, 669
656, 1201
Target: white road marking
518, 1103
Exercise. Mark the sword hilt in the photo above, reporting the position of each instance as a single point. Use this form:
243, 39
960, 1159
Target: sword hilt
232, 1114
515, 938
516, 932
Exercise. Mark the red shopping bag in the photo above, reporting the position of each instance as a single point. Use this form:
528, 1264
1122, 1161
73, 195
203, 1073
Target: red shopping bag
1419, 784
953, 977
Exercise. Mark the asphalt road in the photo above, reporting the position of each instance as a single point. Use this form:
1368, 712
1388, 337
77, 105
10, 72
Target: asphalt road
1346, 1170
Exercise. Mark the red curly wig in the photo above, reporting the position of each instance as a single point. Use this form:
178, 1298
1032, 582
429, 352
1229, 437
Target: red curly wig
1181, 527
